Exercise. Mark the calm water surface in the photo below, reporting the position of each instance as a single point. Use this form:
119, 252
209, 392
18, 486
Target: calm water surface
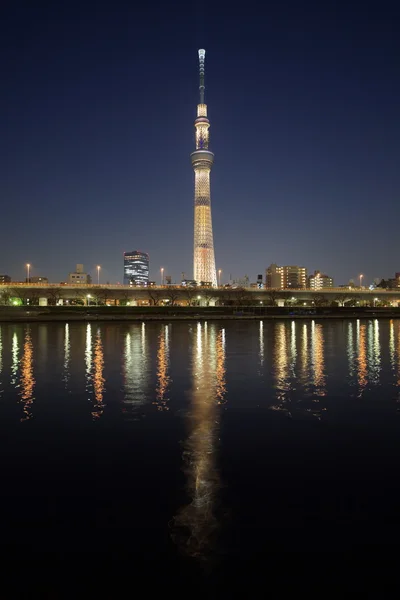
202, 441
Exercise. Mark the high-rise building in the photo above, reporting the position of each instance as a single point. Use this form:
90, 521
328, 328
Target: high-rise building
136, 268
202, 160
318, 280
5, 279
287, 277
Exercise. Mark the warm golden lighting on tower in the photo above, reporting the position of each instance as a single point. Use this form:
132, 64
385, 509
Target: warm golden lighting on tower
202, 160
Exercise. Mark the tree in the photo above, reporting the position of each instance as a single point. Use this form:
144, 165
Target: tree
20, 293
272, 297
33, 298
384, 284
341, 299
54, 295
208, 295
190, 295
100, 295
5, 297
172, 294
155, 296
79, 297
319, 299
243, 298
353, 300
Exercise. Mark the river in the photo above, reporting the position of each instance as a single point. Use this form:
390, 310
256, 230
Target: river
200, 442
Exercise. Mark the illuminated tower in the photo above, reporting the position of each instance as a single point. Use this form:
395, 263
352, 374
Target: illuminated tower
202, 160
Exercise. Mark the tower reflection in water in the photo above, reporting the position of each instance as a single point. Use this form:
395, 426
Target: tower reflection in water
27, 378
163, 379
196, 524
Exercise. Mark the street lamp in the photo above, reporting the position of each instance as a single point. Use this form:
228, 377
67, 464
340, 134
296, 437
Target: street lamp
88, 298
98, 274
162, 275
28, 266
375, 301
219, 277
361, 278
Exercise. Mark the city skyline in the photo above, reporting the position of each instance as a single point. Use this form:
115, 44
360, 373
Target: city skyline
304, 112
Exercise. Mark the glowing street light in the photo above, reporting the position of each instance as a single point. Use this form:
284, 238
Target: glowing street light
162, 275
98, 274
219, 277
28, 266
361, 278
88, 299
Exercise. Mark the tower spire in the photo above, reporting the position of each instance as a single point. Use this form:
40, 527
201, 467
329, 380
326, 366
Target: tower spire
202, 56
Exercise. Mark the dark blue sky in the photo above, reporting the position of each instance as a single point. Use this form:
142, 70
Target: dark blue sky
97, 108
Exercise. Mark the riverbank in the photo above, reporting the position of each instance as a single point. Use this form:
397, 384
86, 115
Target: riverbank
154, 313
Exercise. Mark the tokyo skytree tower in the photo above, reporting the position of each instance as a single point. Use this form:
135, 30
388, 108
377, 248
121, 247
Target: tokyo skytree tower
202, 160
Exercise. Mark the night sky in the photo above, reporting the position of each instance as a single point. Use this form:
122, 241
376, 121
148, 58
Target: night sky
97, 107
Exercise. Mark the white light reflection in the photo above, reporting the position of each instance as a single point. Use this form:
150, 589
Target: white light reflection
67, 351
221, 371
135, 370
88, 360
261, 339
15, 359
293, 350
374, 352
196, 524
281, 368
304, 358
392, 350
350, 350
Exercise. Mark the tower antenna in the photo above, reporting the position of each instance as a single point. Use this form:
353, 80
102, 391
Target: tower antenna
202, 56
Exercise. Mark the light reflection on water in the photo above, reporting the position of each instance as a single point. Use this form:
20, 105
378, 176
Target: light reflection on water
136, 368
67, 351
261, 342
361, 360
318, 358
27, 378
15, 359
162, 369
98, 379
196, 524
301, 362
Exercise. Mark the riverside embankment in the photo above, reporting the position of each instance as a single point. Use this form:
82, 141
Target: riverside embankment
9, 314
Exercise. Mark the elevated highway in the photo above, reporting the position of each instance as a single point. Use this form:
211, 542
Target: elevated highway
36, 293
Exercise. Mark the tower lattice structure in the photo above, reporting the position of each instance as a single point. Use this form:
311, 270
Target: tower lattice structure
202, 161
